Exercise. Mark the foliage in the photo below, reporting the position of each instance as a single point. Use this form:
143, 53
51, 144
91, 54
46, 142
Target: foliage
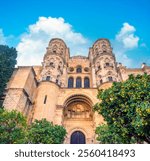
14, 130
7, 63
126, 109
44, 132
12, 127
111, 134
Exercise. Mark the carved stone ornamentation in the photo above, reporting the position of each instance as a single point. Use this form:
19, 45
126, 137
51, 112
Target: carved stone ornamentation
78, 111
56, 47
101, 46
104, 62
53, 67
54, 61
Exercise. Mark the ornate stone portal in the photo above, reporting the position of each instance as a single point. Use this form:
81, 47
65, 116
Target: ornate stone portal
64, 89
78, 118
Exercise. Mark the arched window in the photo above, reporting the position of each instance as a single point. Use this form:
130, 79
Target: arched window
79, 69
52, 65
107, 64
101, 81
78, 82
109, 73
57, 81
54, 48
86, 82
70, 82
110, 79
48, 78
104, 47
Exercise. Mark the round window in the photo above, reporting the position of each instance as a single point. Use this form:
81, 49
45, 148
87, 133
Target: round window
71, 69
86, 69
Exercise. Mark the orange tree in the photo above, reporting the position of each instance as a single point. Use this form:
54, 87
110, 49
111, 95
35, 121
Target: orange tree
44, 132
14, 130
13, 127
126, 109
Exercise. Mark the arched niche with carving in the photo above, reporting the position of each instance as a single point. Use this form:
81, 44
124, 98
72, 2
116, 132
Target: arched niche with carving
78, 107
78, 110
107, 76
98, 63
108, 62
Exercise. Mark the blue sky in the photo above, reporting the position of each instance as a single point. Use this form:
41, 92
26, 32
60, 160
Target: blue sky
126, 23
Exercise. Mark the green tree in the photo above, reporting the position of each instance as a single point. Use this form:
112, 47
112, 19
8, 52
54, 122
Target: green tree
12, 127
108, 134
44, 132
126, 109
7, 63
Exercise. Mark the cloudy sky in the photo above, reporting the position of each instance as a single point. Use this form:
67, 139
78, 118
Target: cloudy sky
29, 25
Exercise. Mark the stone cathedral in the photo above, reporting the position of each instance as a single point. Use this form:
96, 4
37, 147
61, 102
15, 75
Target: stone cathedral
64, 89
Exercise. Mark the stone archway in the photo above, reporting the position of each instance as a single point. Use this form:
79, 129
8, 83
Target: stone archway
78, 114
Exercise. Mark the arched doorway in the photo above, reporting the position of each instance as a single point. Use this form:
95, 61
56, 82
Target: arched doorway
77, 137
78, 114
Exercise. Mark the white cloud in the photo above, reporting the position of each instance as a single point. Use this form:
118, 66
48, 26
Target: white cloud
2, 38
122, 57
124, 41
7, 40
32, 46
121, 54
127, 37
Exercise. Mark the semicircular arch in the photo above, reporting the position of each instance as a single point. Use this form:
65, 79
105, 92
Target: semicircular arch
78, 98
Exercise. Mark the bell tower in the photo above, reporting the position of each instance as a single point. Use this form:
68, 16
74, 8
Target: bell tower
54, 62
103, 63
52, 77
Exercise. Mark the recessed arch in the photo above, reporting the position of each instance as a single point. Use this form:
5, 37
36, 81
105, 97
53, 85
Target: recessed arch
79, 69
78, 107
70, 82
48, 78
76, 97
78, 82
110, 79
86, 82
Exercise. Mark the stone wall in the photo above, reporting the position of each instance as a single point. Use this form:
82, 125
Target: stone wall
46, 101
21, 90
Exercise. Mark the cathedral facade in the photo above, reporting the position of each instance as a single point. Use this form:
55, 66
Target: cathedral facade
64, 89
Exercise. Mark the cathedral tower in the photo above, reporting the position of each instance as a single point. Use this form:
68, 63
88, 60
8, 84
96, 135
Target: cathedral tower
54, 62
103, 63
52, 77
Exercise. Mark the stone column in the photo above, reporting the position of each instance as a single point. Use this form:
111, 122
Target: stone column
74, 85
93, 76
82, 79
